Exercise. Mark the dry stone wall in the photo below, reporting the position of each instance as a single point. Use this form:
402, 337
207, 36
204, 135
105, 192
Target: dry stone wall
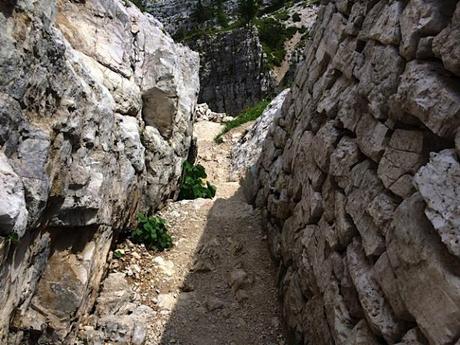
359, 177
96, 110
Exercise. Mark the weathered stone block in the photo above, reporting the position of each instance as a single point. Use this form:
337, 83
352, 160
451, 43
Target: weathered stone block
413, 337
422, 18
362, 335
340, 322
381, 209
402, 156
379, 77
372, 136
439, 184
425, 272
426, 93
382, 23
385, 277
324, 144
344, 157
377, 311
445, 44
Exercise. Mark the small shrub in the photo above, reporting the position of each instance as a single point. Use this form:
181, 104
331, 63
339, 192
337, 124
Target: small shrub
193, 185
152, 232
282, 15
273, 34
202, 13
296, 17
248, 115
222, 18
247, 10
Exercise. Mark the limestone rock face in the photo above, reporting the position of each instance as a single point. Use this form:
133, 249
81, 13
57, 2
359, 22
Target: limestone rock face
119, 317
96, 111
247, 151
233, 74
358, 177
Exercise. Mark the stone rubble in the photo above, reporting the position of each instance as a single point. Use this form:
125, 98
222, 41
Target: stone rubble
203, 113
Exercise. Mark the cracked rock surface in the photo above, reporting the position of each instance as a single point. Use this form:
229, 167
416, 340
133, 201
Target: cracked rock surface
360, 194
97, 104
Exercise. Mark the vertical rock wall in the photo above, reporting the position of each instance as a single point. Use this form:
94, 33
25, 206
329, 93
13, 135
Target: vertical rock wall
96, 110
359, 177
234, 72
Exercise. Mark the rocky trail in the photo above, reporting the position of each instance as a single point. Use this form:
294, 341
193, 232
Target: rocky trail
217, 284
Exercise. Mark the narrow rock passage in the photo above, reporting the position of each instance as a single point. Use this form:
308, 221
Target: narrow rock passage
217, 284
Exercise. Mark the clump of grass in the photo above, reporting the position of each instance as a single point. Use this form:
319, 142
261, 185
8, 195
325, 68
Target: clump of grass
248, 115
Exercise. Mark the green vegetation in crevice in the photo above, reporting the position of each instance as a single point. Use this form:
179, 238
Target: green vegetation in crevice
118, 254
193, 185
207, 16
248, 115
273, 34
152, 232
12, 238
202, 32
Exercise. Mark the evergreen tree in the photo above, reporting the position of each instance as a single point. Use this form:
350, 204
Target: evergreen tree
248, 10
202, 13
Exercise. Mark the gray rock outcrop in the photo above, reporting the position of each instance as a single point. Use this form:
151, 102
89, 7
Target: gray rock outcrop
234, 73
96, 110
246, 152
119, 318
358, 178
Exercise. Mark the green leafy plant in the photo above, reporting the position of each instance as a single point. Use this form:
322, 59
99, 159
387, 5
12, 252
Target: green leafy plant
152, 232
248, 115
193, 185
13, 238
118, 254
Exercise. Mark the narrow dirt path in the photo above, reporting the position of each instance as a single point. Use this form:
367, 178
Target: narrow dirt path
217, 284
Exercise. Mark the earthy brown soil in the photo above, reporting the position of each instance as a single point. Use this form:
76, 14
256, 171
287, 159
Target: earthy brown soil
217, 284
